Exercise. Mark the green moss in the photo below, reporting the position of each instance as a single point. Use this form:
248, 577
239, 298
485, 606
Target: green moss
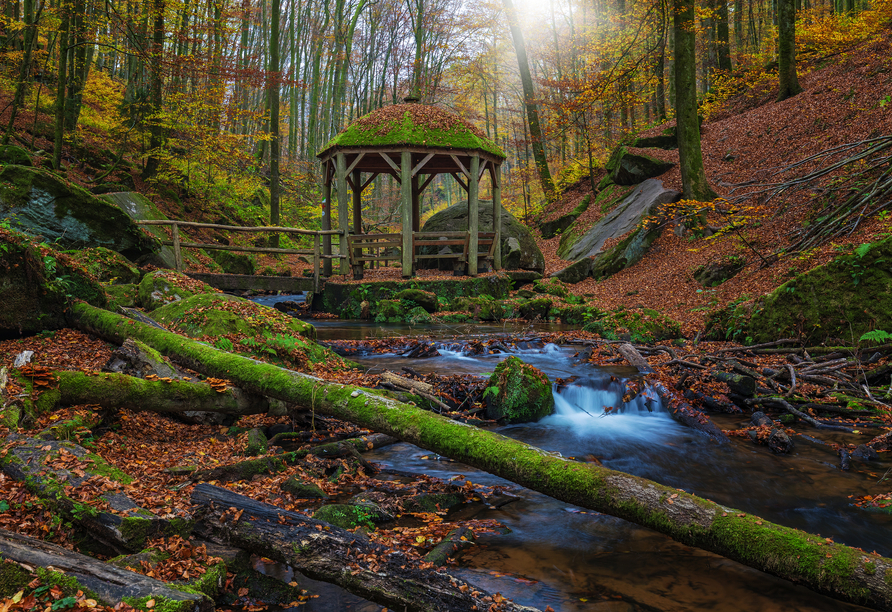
121, 295
634, 324
551, 286
518, 393
837, 302
162, 604
415, 125
303, 490
69, 584
257, 443
536, 309
167, 286
482, 308
346, 516
418, 316
106, 265
102, 467
432, 503
390, 311
13, 578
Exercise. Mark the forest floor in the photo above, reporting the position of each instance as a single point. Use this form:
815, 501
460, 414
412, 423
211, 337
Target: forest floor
751, 139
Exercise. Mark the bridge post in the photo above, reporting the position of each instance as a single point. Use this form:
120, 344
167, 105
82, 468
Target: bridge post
326, 217
177, 251
496, 177
473, 214
316, 263
343, 211
406, 214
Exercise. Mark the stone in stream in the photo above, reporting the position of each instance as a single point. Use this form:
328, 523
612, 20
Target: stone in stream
518, 393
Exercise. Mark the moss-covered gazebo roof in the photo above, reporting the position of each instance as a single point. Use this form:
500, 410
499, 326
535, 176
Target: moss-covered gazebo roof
412, 125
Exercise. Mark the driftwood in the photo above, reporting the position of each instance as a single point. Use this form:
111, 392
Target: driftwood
324, 552
454, 542
110, 583
244, 470
847, 573
418, 387
634, 358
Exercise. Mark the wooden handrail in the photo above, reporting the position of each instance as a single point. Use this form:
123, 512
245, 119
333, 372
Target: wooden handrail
238, 228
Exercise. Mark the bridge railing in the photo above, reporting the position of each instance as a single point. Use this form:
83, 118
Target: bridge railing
178, 244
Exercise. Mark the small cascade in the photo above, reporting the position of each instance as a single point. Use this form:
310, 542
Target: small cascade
600, 397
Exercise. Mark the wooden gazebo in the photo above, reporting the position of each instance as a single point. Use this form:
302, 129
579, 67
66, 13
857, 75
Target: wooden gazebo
413, 143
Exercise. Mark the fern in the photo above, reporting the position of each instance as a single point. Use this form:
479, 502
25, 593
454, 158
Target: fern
877, 335
862, 250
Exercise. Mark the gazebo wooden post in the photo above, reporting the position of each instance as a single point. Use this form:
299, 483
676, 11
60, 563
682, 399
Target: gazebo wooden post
406, 213
473, 216
416, 205
343, 209
496, 178
326, 218
357, 219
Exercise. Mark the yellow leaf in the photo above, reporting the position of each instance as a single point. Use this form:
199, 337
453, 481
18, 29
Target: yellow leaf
150, 604
419, 539
17, 597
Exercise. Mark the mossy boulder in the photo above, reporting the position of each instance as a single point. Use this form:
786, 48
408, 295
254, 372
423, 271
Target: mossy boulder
238, 325
518, 393
42, 204
635, 325
106, 265
390, 311
11, 154
455, 219
166, 286
535, 309
716, 273
425, 299
432, 502
606, 200
627, 168
576, 272
36, 284
418, 316
836, 302
482, 308
552, 286
303, 490
256, 443
121, 295
550, 229
234, 263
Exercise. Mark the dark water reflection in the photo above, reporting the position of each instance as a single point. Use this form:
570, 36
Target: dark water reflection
574, 560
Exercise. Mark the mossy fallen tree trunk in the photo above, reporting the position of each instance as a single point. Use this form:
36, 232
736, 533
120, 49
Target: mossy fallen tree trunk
833, 569
106, 583
324, 552
119, 391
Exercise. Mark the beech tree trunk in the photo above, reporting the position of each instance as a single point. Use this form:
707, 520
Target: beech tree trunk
833, 569
786, 50
690, 155
529, 97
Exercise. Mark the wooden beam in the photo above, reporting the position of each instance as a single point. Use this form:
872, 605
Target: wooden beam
343, 209
460, 182
326, 225
482, 170
355, 161
496, 178
461, 165
426, 182
368, 181
421, 164
390, 162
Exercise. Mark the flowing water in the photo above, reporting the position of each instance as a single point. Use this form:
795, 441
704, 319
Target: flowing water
574, 559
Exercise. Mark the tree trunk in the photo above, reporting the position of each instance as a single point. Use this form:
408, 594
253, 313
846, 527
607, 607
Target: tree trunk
786, 50
21, 89
690, 156
156, 128
272, 89
60, 88
847, 574
324, 552
111, 584
529, 99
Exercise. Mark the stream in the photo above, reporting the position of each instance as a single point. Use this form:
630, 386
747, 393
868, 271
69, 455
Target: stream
574, 559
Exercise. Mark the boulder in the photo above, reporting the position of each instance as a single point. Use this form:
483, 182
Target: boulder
511, 253
627, 168
36, 286
42, 204
550, 229
106, 265
639, 204
518, 393
661, 141
11, 154
716, 273
455, 219
576, 272
234, 263
425, 299
165, 286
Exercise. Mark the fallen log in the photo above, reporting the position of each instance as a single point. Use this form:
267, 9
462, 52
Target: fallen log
848, 574
454, 542
324, 552
635, 358
119, 391
111, 584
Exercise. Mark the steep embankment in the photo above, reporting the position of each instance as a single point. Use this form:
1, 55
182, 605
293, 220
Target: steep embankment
749, 141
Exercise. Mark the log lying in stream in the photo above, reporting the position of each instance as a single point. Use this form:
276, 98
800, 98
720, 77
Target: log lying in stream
323, 552
110, 583
833, 569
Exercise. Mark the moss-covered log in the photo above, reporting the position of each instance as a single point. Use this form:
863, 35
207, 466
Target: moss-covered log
322, 551
119, 391
830, 568
106, 583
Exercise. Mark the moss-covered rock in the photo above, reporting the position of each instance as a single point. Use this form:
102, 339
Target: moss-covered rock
838, 301
635, 325
418, 316
536, 309
303, 490
432, 502
345, 299
36, 284
607, 199
40, 203
578, 314
166, 286
551, 286
234, 263
482, 308
518, 393
121, 295
550, 229
390, 311
106, 265
256, 443
11, 154
716, 273
425, 299
238, 325
627, 168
